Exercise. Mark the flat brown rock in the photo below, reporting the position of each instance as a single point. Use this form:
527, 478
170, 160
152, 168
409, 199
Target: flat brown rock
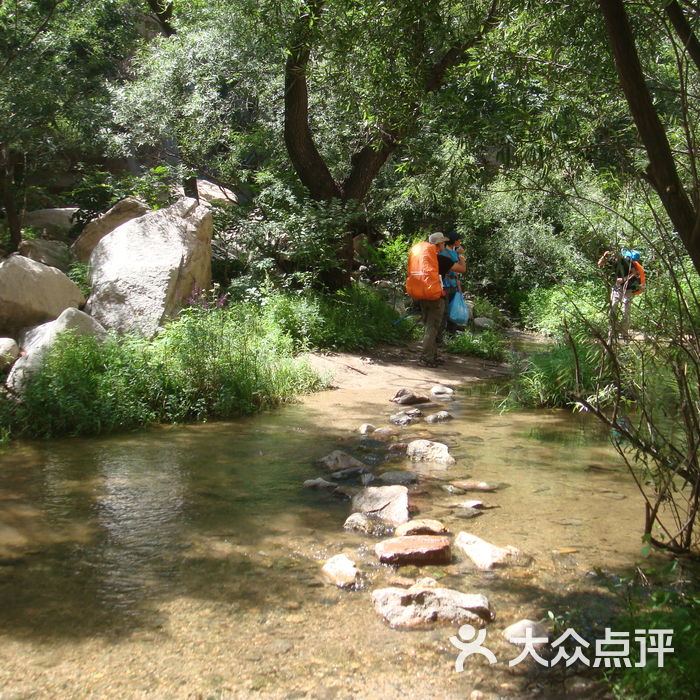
414, 549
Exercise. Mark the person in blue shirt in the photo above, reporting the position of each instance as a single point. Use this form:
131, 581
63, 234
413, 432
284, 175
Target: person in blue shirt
450, 282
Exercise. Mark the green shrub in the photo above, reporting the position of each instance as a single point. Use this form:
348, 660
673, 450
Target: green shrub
659, 605
488, 345
550, 378
485, 308
79, 273
207, 364
354, 319
581, 304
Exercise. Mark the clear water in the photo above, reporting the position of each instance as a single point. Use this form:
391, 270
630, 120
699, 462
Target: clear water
184, 561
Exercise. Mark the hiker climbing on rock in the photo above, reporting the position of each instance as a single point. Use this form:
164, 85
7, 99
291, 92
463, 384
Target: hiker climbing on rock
627, 278
426, 269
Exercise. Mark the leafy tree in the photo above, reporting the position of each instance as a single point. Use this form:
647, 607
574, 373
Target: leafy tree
54, 55
679, 191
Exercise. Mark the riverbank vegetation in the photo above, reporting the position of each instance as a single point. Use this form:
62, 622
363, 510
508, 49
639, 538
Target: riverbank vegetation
217, 360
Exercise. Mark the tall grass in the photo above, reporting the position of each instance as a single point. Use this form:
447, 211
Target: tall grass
553, 379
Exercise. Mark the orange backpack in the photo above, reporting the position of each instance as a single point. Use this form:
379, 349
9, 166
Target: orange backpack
423, 280
642, 277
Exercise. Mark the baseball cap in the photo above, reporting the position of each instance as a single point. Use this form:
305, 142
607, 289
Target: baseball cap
436, 238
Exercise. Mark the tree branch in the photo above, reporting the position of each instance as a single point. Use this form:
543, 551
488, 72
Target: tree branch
307, 161
684, 31
163, 10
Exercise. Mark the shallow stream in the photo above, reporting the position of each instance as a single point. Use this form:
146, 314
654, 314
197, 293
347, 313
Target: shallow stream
184, 562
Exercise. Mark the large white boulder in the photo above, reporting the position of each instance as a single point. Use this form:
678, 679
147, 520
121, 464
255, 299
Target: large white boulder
32, 293
37, 342
123, 211
142, 272
51, 253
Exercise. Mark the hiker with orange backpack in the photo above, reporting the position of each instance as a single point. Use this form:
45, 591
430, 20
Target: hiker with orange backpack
426, 269
628, 281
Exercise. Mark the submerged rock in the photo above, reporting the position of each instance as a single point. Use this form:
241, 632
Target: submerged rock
473, 485
442, 392
319, 483
406, 397
399, 477
423, 605
389, 503
369, 525
417, 550
468, 513
428, 451
483, 554
439, 417
518, 631
341, 571
338, 460
402, 418
385, 433
351, 473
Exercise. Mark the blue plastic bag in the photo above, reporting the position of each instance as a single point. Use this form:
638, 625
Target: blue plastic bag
458, 312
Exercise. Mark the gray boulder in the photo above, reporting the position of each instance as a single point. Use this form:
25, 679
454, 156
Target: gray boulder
484, 324
339, 460
50, 221
389, 503
340, 571
33, 293
123, 211
368, 524
399, 476
143, 272
423, 605
38, 341
51, 253
9, 352
428, 451
213, 193
439, 417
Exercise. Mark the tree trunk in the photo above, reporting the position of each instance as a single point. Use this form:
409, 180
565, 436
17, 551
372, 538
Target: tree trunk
7, 197
684, 31
662, 167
